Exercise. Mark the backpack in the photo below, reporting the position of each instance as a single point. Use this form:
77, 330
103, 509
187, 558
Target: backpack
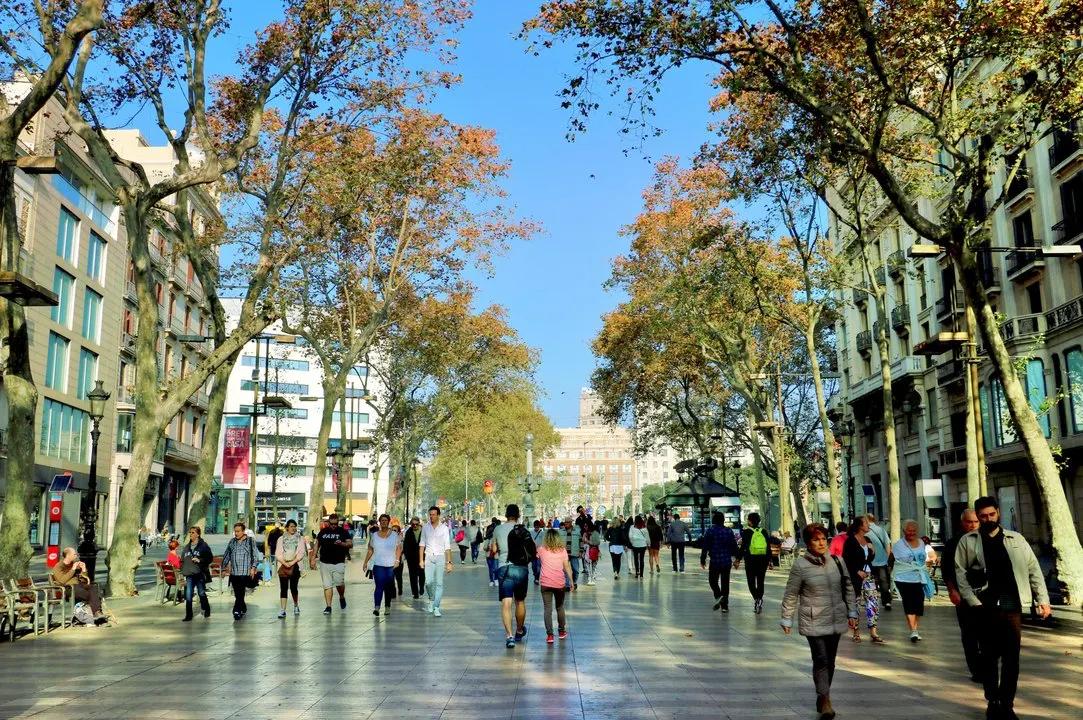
757, 544
83, 614
460, 535
521, 547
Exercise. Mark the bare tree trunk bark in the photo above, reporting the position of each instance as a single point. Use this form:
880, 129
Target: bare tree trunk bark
1062, 526
888, 419
216, 405
833, 483
319, 473
757, 464
22, 399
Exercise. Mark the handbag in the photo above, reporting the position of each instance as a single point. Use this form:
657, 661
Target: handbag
286, 571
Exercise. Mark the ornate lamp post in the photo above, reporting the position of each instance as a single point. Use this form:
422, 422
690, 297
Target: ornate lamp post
88, 548
528, 484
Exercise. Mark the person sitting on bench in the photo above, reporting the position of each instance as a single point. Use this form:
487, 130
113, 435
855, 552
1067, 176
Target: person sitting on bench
71, 572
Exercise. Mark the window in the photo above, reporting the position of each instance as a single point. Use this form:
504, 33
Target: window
277, 388
1036, 393
352, 418
1074, 362
1034, 297
56, 363
67, 235
1023, 230
95, 261
64, 287
573, 469
92, 316
124, 432
88, 373
64, 432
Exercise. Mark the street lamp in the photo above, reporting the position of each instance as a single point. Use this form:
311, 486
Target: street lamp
527, 483
88, 548
844, 433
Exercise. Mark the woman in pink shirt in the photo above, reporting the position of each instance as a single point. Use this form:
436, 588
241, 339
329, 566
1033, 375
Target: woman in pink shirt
555, 571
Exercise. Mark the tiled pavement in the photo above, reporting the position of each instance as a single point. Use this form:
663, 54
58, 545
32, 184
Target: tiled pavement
637, 649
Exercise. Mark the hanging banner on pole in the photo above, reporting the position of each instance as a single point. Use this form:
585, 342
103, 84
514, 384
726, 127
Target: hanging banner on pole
235, 452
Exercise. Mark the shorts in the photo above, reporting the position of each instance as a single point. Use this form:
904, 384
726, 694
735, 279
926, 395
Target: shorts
512, 580
913, 597
332, 575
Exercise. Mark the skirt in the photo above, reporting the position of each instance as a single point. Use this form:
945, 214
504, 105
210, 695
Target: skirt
913, 597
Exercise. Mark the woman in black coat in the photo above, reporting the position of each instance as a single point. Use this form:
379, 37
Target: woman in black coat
857, 553
196, 558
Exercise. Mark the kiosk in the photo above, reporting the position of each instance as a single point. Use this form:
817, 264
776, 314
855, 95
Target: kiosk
699, 495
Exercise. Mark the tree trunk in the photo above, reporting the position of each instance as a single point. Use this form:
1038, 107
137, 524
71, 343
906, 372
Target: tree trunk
833, 483
782, 473
345, 482
801, 517
888, 419
216, 405
1062, 526
22, 400
319, 472
757, 463
973, 489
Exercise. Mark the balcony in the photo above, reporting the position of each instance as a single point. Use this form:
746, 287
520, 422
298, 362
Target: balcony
880, 275
860, 297
1022, 264
946, 308
950, 372
1066, 316
1068, 230
130, 292
896, 263
900, 320
1020, 189
1023, 328
178, 273
87, 206
909, 366
181, 452
864, 342
162, 319
127, 343
991, 279
952, 459
200, 400
155, 255
176, 326
195, 290
126, 395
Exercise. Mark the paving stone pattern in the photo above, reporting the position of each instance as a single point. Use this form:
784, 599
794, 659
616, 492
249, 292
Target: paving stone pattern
652, 648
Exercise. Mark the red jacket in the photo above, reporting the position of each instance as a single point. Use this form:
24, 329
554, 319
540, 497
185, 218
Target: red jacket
835, 548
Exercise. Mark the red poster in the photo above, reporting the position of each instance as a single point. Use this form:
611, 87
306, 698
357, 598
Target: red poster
235, 452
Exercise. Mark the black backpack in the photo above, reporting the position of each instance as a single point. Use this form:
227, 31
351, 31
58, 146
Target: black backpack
521, 547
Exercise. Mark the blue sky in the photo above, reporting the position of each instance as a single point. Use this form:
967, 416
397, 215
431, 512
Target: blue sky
582, 192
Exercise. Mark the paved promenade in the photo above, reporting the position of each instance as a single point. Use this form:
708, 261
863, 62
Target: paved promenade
644, 649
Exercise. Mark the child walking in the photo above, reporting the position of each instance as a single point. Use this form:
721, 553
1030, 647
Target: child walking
556, 573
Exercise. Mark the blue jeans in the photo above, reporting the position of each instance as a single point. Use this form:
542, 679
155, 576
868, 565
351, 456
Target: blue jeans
384, 578
194, 582
492, 563
434, 579
474, 552
536, 567
575, 570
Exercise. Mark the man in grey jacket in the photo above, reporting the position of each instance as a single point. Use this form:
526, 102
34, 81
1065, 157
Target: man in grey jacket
998, 575
676, 537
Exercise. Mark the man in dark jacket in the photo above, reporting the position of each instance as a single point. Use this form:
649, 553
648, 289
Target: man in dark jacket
721, 545
967, 616
410, 545
756, 552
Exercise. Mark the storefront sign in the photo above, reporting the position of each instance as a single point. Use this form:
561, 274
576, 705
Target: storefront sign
235, 452
283, 500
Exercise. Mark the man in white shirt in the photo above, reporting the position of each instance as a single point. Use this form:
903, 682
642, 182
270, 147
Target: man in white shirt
435, 541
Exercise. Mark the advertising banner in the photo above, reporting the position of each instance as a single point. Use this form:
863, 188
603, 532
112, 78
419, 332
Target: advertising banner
235, 452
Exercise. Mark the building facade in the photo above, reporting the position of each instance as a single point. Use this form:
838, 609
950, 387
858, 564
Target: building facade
1041, 301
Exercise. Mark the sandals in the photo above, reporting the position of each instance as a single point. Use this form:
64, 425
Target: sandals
856, 637
877, 640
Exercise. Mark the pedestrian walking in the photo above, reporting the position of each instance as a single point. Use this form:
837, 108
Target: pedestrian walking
574, 545
654, 531
968, 618
411, 548
841, 533
332, 544
756, 553
291, 550
435, 546
515, 550
384, 554
911, 557
476, 540
998, 576
858, 554
640, 540
491, 551
196, 559
616, 538
239, 562
144, 538
536, 535
676, 538
463, 538
556, 573
397, 529
822, 587
592, 540
720, 544
881, 567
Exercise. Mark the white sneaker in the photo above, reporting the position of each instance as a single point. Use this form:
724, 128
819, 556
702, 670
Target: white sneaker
436, 612
429, 606
296, 609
